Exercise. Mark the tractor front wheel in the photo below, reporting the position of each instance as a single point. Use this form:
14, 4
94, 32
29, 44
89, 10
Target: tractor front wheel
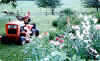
4, 40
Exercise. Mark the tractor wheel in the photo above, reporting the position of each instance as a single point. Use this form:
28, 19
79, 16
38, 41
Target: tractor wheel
37, 33
4, 40
22, 41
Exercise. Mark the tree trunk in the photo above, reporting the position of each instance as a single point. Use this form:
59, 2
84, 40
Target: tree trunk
46, 12
87, 59
97, 9
52, 9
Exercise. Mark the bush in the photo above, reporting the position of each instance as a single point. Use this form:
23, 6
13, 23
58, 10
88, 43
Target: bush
52, 35
75, 20
98, 17
67, 12
60, 23
55, 23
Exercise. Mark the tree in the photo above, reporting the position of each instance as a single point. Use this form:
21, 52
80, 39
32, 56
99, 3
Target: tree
52, 4
13, 2
91, 4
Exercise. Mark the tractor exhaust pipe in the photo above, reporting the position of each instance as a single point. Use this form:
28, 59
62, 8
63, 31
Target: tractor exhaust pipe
0, 37
9, 20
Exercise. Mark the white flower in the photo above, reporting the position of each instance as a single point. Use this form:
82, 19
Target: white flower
85, 31
80, 15
54, 53
98, 27
0, 60
76, 27
72, 37
82, 23
95, 20
86, 41
78, 32
85, 18
81, 36
93, 50
40, 36
46, 59
97, 56
56, 43
87, 22
90, 16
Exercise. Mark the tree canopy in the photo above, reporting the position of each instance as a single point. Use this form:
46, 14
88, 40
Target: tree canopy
91, 4
49, 3
13, 2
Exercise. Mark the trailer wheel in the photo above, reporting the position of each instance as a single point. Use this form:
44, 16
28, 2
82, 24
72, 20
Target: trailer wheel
4, 40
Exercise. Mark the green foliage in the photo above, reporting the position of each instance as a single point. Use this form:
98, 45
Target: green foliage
97, 15
48, 3
55, 23
12, 2
7, 1
42, 50
75, 20
60, 23
52, 35
67, 12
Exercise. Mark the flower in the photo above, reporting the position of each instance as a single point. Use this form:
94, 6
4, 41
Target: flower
40, 36
98, 27
61, 41
85, 18
0, 60
46, 59
95, 20
86, 41
90, 16
56, 43
57, 38
85, 31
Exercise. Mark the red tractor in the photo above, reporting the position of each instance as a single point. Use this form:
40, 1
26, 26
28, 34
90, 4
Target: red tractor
15, 32
19, 31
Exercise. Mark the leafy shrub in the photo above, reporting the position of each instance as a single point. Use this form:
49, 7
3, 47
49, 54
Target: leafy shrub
52, 35
75, 20
62, 22
55, 23
98, 17
67, 12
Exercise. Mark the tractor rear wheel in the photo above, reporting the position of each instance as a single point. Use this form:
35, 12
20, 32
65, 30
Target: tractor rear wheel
22, 41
